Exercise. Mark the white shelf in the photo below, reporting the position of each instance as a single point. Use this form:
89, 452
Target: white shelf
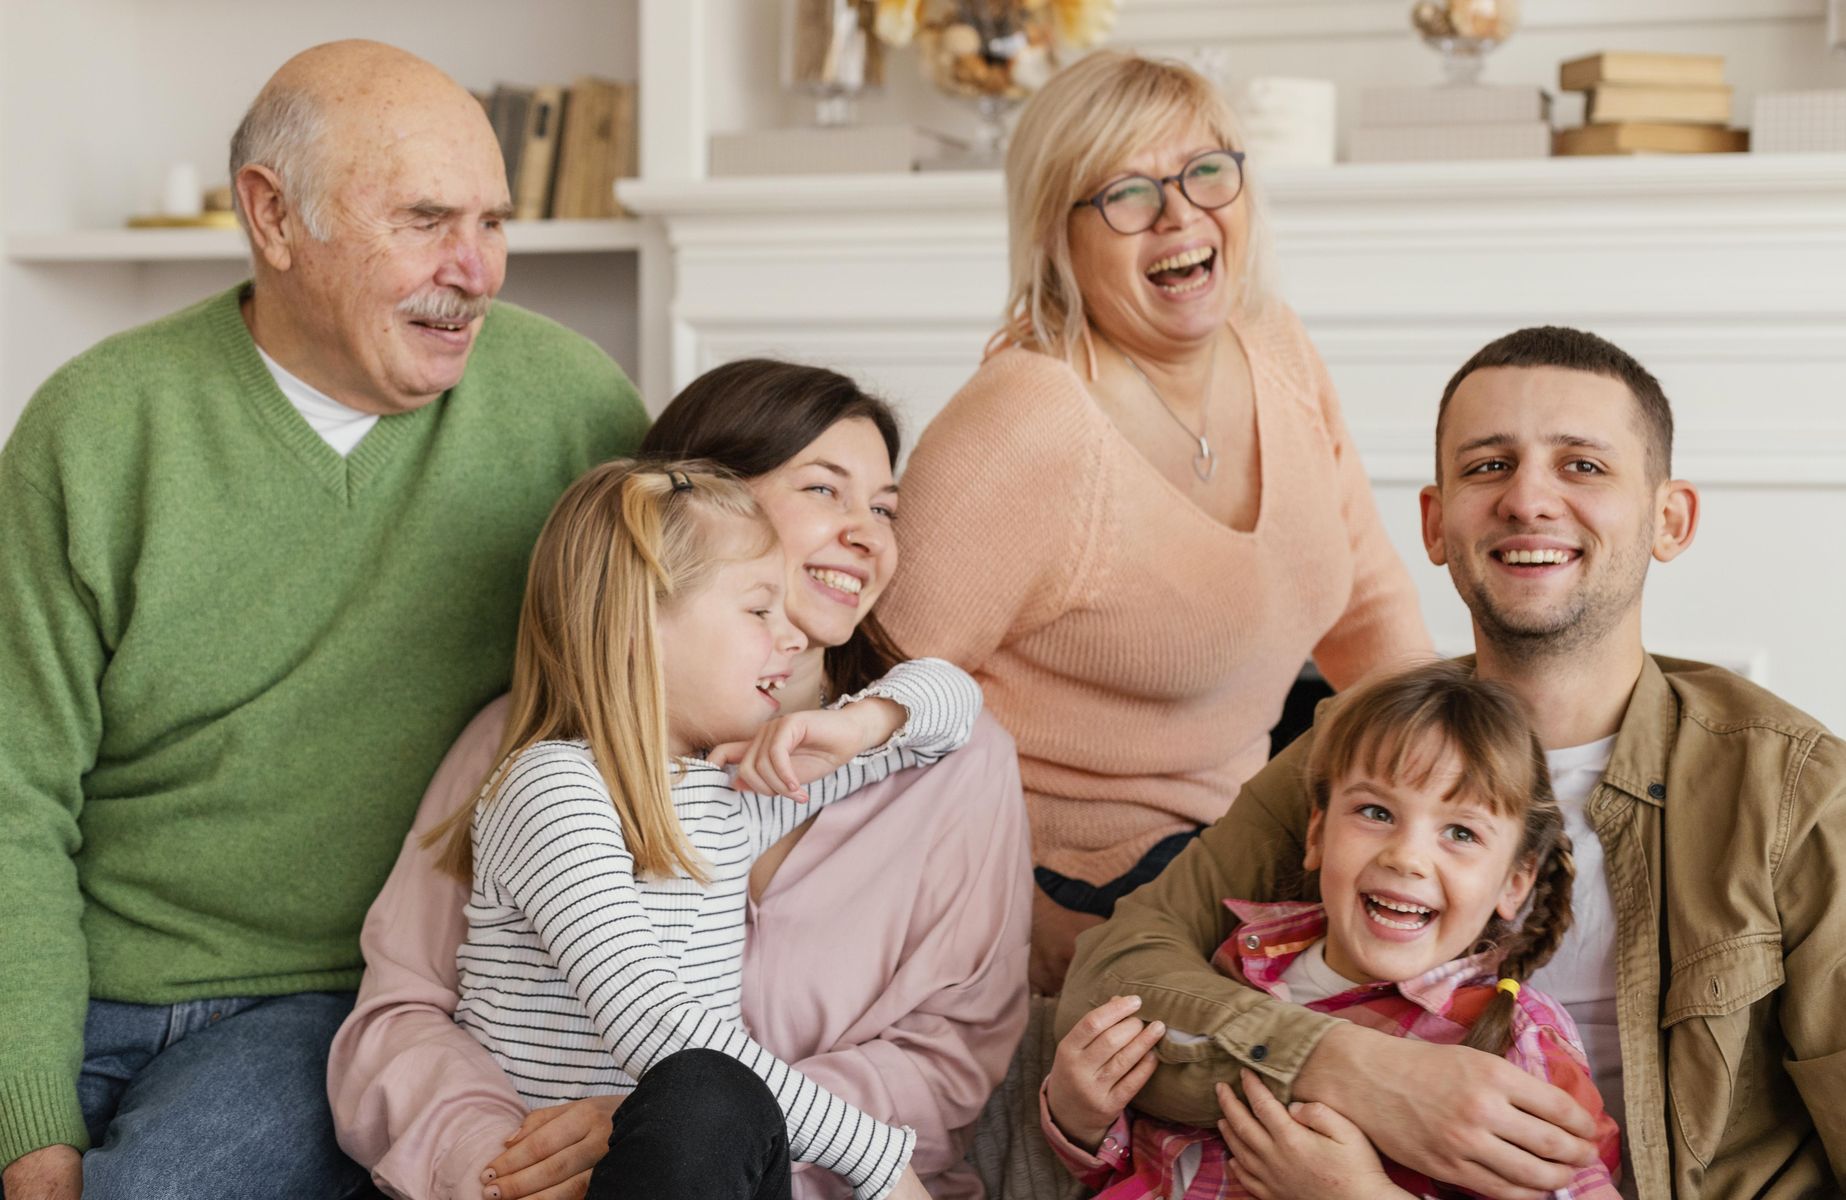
206, 245
1667, 178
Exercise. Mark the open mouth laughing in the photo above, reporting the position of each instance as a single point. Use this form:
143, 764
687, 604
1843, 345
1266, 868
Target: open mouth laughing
1185, 272
1396, 914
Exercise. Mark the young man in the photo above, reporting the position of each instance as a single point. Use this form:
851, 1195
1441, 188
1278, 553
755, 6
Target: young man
1709, 820
262, 561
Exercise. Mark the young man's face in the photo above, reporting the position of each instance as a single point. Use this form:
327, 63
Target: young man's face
1547, 512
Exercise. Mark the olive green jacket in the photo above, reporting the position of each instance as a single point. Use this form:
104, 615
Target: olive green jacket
1723, 821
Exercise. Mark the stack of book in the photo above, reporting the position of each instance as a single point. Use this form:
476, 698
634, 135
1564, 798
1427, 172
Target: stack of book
564, 146
1416, 124
1650, 104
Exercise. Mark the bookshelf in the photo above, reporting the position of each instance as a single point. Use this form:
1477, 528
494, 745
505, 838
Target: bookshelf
99, 97
214, 245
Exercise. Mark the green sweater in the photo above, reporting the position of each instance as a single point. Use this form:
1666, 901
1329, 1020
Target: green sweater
230, 660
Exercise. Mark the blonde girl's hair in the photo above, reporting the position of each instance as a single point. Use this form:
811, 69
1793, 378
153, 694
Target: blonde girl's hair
1072, 138
623, 541
1382, 727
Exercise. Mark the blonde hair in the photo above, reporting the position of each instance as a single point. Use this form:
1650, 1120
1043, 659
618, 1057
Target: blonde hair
1072, 138
1382, 726
623, 541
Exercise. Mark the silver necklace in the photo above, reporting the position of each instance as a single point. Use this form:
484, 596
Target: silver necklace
1204, 462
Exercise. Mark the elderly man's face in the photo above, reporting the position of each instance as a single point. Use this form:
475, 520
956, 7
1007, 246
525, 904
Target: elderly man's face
416, 250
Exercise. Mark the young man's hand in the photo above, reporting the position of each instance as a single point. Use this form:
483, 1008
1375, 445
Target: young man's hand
1100, 1065
1452, 1113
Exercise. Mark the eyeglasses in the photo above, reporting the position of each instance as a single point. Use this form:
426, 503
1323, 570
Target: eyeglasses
1133, 203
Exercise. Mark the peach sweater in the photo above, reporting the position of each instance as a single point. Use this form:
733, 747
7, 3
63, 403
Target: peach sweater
1138, 649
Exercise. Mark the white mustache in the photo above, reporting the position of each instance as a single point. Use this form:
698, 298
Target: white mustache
445, 307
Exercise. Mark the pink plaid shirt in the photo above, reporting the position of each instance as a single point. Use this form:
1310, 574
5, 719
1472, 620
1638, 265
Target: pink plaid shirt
1139, 1157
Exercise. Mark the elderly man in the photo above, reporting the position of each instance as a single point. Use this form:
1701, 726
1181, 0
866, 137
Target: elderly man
262, 562
1708, 956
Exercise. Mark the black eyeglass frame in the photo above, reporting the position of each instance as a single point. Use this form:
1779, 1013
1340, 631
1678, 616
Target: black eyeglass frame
1160, 186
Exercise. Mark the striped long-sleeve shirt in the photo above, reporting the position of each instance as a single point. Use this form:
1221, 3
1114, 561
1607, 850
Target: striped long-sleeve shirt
579, 977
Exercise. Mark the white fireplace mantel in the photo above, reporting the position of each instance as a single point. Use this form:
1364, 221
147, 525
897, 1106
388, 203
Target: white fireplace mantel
1726, 275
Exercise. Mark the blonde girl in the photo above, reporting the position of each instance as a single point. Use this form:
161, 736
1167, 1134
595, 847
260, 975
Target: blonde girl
1444, 881
609, 853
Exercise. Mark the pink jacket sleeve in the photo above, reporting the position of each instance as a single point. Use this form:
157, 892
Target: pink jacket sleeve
415, 1098
927, 878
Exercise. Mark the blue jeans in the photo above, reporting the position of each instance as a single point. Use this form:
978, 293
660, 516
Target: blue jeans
1098, 899
213, 1098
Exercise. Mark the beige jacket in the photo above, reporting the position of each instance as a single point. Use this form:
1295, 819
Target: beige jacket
1723, 821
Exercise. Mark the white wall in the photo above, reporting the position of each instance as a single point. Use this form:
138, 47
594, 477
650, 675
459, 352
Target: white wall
1728, 278
1769, 45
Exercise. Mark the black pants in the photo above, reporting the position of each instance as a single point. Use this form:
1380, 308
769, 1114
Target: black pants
701, 1126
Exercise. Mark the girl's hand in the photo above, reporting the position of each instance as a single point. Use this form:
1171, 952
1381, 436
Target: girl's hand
793, 751
909, 1187
551, 1154
1302, 1152
1100, 1065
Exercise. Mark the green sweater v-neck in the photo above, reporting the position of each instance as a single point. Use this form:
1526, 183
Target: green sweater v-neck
230, 660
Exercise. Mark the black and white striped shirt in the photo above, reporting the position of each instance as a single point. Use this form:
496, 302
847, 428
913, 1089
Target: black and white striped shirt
579, 977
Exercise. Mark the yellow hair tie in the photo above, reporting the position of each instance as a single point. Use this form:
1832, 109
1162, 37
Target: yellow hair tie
1509, 986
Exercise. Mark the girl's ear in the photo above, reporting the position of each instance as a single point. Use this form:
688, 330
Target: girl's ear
1518, 886
1310, 859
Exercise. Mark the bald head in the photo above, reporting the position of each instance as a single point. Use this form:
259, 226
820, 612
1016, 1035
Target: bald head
342, 109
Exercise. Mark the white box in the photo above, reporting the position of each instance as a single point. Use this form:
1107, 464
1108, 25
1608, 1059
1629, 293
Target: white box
1439, 143
1800, 123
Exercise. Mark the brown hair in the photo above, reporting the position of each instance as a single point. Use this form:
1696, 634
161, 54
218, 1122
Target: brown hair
1071, 136
623, 542
1576, 350
1380, 726
751, 416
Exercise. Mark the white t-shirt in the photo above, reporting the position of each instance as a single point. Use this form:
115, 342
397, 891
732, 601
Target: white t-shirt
1309, 978
339, 426
1581, 975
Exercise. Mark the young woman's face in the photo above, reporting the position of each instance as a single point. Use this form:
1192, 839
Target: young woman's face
1410, 874
833, 505
725, 651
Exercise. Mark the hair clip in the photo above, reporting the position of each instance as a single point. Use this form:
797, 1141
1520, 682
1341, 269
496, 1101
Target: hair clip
1509, 986
682, 482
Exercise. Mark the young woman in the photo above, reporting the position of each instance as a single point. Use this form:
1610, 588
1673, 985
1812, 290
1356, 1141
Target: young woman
886, 953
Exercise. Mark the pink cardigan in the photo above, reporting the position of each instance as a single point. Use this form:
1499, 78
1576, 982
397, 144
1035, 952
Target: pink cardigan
887, 961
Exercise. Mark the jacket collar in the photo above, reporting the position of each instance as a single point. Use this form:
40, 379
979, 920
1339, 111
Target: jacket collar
1638, 763
1271, 936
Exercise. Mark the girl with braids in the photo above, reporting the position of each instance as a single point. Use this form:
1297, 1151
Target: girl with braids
1444, 878
609, 851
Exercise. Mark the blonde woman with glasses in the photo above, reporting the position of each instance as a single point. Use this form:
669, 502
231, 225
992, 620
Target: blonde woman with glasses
1143, 513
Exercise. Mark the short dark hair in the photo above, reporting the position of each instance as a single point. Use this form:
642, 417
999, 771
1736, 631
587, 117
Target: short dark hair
752, 415
1576, 350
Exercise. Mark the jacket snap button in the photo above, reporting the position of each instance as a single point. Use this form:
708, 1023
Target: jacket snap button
1657, 790
1258, 1053
1252, 942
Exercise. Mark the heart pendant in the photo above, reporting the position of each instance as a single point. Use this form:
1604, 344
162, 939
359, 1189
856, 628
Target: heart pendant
1204, 462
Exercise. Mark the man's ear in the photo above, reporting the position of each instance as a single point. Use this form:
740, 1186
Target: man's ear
266, 211
1430, 500
1310, 858
1676, 518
